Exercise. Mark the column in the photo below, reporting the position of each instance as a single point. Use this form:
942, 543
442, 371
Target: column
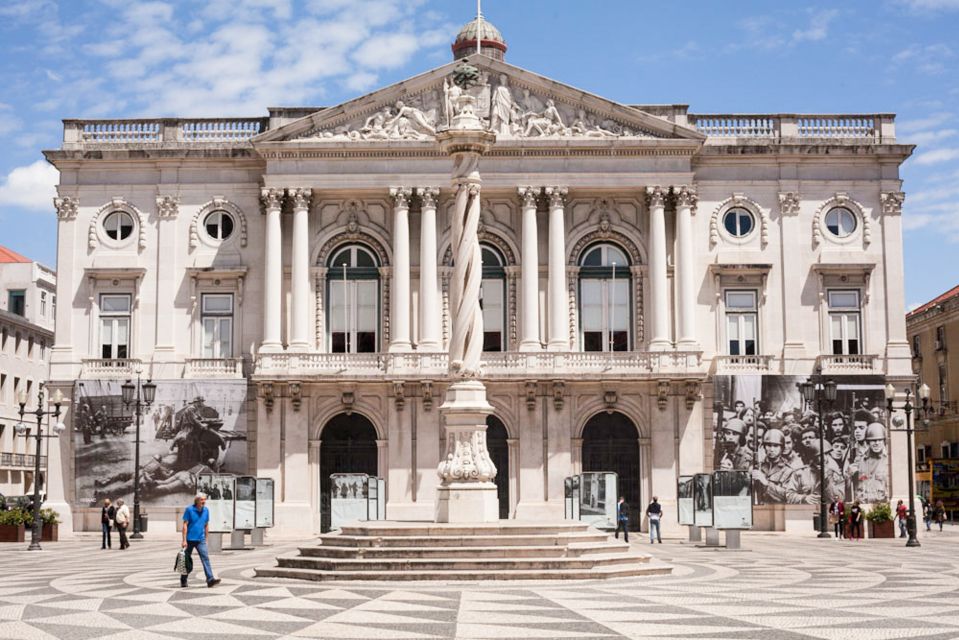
794, 347
273, 271
558, 300
430, 337
167, 209
400, 304
529, 274
300, 320
658, 294
898, 353
685, 263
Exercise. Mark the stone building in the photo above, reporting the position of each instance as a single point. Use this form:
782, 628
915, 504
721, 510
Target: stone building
28, 303
632, 255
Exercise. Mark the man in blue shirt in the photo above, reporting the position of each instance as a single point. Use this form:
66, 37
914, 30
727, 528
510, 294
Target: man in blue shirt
196, 522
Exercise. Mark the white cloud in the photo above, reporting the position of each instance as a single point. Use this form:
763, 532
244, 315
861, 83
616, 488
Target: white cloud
930, 59
818, 27
30, 187
913, 306
386, 51
931, 137
932, 5
361, 81
928, 122
937, 156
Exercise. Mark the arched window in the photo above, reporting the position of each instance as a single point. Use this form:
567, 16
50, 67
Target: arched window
493, 299
118, 225
604, 294
353, 292
219, 225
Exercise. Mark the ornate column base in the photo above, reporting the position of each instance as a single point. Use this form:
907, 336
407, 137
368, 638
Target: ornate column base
461, 502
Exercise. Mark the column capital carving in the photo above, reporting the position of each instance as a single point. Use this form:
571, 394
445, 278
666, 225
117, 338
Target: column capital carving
557, 196
66, 207
300, 197
686, 196
401, 196
168, 206
272, 198
892, 202
789, 202
528, 195
656, 196
428, 196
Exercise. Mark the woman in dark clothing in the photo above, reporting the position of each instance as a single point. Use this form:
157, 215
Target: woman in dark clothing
107, 514
837, 515
855, 521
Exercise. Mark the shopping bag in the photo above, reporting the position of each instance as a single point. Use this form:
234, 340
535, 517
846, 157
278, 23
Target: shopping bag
183, 563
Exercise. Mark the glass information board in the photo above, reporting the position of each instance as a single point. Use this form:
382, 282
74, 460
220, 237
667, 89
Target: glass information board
264, 502
597, 503
571, 491
703, 500
732, 500
684, 500
220, 492
244, 505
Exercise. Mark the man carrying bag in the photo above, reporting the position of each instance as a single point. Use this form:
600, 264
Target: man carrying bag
196, 523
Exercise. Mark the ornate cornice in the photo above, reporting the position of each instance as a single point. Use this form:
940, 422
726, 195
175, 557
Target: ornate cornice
67, 207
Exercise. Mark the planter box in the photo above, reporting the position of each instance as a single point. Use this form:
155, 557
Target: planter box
11, 533
50, 533
885, 529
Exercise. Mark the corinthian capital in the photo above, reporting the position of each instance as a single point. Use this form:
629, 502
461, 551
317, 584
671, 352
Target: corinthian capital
686, 196
168, 206
300, 197
428, 196
401, 196
892, 202
656, 196
528, 195
557, 196
66, 207
789, 203
272, 198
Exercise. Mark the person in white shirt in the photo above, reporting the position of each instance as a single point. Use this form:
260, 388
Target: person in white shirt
122, 519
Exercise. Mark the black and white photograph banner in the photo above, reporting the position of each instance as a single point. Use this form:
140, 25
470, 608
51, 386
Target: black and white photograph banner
732, 500
684, 501
763, 426
192, 428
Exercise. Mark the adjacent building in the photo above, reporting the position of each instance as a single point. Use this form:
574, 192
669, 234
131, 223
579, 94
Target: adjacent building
655, 283
28, 303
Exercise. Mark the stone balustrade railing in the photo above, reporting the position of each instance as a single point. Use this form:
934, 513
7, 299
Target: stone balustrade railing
839, 364
214, 368
860, 127
494, 365
110, 369
160, 131
744, 364
21, 460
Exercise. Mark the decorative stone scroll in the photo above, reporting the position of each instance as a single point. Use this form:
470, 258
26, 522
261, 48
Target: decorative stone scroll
467, 458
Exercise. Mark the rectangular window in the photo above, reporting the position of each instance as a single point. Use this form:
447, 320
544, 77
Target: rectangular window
954, 449
943, 389
43, 349
17, 301
115, 326
920, 455
354, 314
30, 347
916, 346
605, 314
494, 315
940, 338
845, 327
43, 304
53, 306
944, 450
742, 322
217, 317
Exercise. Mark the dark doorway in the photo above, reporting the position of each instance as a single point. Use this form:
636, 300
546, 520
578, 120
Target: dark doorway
611, 443
347, 445
499, 452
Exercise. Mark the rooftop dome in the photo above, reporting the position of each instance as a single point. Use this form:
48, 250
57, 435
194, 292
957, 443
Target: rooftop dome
491, 40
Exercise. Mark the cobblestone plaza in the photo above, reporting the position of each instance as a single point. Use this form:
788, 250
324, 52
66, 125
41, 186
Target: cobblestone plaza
779, 587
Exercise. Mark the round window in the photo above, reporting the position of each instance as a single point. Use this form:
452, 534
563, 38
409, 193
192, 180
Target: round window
738, 222
219, 225
840, 222
118, 225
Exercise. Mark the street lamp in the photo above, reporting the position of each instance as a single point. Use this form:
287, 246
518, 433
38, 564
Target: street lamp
23, 430
907, 408
816, 390
140, 395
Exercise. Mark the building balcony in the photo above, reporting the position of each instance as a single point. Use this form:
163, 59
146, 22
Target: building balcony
110, 368
196, 368
21, 461
743, 364
723, 128
507, 365
850, 364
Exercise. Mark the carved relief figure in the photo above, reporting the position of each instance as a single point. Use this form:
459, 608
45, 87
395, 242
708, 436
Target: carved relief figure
548, 123
501, 108
409, 122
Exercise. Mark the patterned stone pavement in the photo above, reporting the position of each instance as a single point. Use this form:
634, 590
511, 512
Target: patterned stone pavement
779, 587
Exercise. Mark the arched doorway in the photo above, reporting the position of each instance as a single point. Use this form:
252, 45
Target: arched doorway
611, 443
499, 453
347, 445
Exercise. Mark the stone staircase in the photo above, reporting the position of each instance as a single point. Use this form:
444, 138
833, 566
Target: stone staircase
506, 550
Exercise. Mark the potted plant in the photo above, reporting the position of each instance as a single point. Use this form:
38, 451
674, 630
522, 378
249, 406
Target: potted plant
11, 525
50, 520
880, 519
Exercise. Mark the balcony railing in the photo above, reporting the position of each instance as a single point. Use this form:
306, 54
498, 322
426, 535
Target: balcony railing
158, 131
743, 364
214, 368
21, 460
110, 369
858, 127
494, 365
838, 364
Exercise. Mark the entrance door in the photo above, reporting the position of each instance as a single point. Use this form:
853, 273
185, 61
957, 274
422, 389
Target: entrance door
611, 443
499, 454
347, 445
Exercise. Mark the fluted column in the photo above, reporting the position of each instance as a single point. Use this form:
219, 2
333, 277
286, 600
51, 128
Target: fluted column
558, 300
273, 271
400, 306
430, 338
529, 275
685, 261
300, 320
658, 285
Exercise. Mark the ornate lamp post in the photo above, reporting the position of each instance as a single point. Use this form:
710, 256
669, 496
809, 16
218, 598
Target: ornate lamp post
24, 431
140, 395
815, 390
907, 408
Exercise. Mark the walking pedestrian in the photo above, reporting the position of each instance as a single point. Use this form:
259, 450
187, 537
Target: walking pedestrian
107, 514
122, 520
196, 525
855, 521
622, 518
927, 514
655, 513
837, 516
901, 513
940, 513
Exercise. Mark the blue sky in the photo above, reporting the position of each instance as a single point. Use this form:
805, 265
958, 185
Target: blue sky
121, 58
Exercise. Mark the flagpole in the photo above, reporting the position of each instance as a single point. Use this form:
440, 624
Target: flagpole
479, 25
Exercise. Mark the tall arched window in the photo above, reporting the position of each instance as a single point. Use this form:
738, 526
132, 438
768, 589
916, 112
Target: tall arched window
493, 297
353, 292
604, 294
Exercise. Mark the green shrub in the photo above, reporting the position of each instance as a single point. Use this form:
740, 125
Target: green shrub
880, 512
14, 517
47, 516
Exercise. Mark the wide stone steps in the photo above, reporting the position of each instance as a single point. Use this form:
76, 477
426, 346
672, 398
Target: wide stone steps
506, 550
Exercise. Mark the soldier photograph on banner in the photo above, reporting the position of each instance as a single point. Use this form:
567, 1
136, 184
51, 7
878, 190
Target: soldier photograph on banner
761, 424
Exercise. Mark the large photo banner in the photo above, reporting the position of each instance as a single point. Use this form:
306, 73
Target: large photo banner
732, 500
192, 428
685, 491
762, 425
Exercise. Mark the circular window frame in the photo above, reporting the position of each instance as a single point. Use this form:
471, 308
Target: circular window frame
743, 239
827, 232
105, 236
217, 242
823, 236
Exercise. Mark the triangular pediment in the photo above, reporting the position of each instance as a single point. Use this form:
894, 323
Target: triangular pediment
513, 102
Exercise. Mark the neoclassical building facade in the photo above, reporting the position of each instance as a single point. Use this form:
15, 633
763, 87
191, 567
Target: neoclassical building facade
631, 253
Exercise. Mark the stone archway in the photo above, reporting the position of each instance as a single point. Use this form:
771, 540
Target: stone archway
347, 445
611, 443
496, 443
